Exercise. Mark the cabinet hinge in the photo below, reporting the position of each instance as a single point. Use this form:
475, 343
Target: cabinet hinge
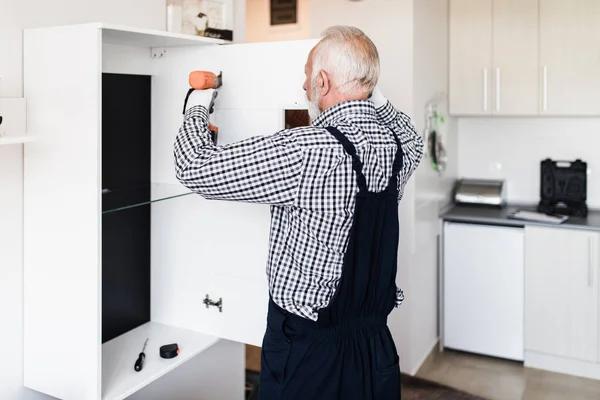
158, 52
208, 302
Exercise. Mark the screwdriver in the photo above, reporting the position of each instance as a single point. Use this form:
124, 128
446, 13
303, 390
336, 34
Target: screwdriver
139, 363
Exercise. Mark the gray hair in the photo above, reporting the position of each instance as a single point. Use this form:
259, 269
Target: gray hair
349, 57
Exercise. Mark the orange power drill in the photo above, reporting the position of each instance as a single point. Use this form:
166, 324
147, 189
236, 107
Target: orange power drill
202, 80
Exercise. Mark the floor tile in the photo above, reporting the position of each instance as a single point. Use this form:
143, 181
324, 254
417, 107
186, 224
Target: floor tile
497, 379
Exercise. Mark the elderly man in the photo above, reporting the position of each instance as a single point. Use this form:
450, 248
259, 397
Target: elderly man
334, 189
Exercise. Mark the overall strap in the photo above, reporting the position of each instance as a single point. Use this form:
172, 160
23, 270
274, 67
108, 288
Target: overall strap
398, 164
357, 166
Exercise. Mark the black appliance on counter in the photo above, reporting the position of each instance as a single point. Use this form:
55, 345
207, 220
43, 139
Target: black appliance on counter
563, 188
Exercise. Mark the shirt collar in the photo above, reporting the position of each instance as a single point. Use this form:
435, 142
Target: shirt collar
360, 108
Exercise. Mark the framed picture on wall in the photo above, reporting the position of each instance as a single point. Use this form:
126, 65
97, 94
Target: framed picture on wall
283, 3
284, 12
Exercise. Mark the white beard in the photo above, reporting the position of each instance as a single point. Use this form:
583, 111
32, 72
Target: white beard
313, 105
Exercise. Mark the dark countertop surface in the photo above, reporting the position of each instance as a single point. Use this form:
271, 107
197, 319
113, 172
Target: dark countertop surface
498, 216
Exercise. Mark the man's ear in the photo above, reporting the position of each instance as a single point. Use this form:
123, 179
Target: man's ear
325, 83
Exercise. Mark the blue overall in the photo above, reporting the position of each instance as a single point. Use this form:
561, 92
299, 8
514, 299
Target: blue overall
348, 353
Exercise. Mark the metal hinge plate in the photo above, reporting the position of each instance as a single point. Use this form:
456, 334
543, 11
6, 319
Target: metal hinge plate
159, 52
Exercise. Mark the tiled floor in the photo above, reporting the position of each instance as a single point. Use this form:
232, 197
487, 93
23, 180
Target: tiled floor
505, 380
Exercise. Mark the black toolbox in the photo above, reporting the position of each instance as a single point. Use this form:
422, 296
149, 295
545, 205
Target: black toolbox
563, 188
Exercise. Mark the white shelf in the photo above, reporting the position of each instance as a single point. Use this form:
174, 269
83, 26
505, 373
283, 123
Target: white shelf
14, 121
123, 35
15, 139
120, 380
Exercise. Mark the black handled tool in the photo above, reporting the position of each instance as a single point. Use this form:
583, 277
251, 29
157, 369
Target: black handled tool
139, 363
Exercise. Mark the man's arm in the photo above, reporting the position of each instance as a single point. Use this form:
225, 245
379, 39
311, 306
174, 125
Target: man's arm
262, 169
410, 140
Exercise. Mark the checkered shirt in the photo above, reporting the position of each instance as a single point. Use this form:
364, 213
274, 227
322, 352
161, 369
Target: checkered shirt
306, 177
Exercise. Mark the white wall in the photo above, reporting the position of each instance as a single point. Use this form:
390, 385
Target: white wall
258, 23
430, 78
390, 25
14, 17
512, 148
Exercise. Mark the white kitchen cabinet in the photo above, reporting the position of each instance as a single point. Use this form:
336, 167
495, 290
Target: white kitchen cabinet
483, 283
515, 57
494, 57
524, 57
561, 293
470, 64
570, 57
199, 248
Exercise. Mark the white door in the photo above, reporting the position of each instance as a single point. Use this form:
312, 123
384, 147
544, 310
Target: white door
483, 289
515, 57
211, 247
470, 57
561, 292
570, 57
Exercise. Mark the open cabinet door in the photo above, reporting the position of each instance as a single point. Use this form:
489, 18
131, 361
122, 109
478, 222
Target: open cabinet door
218, 249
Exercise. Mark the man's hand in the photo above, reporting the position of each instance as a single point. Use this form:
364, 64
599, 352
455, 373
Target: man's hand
377, 98
205, 98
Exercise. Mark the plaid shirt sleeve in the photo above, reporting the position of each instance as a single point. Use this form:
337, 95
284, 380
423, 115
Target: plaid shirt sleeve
412, 146
261, 169
410, 140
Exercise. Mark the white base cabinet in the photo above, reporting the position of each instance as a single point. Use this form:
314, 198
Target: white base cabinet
523, 293
561, 293
483, 289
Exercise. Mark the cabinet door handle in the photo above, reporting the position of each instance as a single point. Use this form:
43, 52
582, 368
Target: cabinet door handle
590, 264
497, 89
545, 87
485, 90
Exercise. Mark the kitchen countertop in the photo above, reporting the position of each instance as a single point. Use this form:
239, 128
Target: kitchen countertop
498, 216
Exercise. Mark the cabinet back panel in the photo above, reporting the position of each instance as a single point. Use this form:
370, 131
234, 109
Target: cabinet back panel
125, 130
125, 271
125, 234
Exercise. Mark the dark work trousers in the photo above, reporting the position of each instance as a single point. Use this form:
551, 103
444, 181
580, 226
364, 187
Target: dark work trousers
348, 353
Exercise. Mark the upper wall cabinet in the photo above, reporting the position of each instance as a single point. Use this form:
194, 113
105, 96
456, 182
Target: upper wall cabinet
524, 57
470, 56
493, 57
515, 57
570, 57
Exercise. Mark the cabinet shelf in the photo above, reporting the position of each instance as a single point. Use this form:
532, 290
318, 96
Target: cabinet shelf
122, 199
120, 380
8, 139
123, 35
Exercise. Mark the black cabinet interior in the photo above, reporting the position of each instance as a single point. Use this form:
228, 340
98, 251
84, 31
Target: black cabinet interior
126, 143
